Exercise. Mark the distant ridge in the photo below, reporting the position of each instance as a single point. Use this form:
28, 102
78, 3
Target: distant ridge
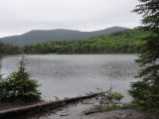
37, 36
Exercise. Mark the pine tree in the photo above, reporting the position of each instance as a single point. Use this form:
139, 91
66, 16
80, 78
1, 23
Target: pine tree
146, 91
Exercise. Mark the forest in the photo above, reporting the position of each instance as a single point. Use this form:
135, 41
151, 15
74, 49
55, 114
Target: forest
6, 49
128, 41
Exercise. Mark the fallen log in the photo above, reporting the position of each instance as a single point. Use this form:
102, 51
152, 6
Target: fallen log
18, 113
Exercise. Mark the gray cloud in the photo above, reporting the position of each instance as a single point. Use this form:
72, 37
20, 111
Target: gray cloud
19, 16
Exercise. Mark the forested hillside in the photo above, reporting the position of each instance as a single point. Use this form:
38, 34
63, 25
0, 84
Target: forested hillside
127, 41
38, 36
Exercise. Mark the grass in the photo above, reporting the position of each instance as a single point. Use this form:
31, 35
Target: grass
128, 105
107, 107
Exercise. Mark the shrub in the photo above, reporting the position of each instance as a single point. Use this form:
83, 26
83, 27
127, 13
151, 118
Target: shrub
107, 107
19, 87
116, 96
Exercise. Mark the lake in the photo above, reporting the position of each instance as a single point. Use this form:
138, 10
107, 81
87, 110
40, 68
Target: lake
74, 75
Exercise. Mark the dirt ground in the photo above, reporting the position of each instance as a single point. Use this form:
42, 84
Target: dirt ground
80, 110
122, 114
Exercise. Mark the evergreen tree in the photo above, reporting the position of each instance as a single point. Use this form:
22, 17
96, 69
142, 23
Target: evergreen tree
18, 86
146, 91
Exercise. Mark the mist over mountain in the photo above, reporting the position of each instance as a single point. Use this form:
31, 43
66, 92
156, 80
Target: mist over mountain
37, 36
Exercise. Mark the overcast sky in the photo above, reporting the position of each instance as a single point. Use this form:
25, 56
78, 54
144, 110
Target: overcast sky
20, 16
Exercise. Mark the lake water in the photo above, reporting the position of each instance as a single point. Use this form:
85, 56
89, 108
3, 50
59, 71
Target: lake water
72, 75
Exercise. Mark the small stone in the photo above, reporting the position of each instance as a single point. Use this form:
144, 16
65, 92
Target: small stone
124, 116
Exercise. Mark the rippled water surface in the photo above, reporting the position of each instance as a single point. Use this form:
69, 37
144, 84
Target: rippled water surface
72, 75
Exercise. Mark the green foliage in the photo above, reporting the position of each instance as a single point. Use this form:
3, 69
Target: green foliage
3, 105
19, 87
129, 105
146, 91
128, 41
116, 96
6, 49
107, 107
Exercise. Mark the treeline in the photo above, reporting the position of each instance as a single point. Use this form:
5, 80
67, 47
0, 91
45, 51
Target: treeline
128, 41
6, 49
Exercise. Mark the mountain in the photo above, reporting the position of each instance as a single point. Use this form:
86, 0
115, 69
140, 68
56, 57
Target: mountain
127, 41
37, 36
